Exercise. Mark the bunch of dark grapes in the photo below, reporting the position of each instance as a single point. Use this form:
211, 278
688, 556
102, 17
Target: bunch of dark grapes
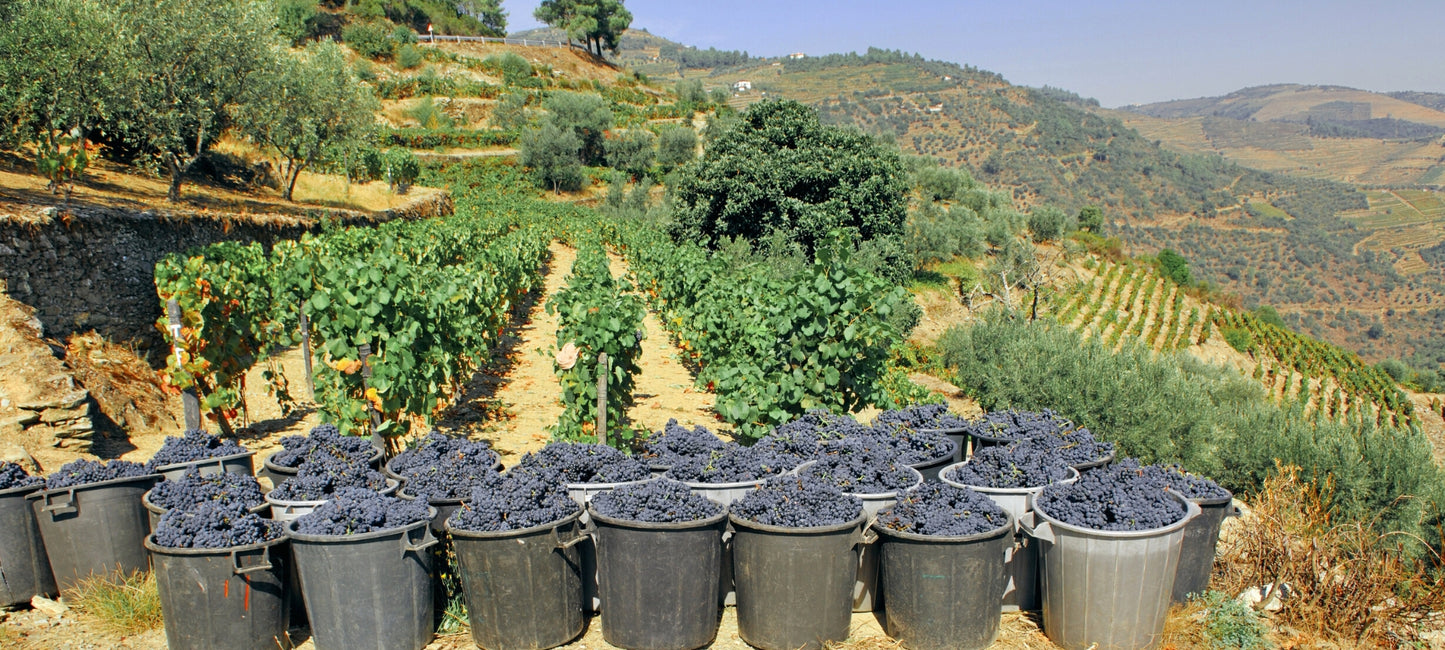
791, 446
732, 463
943, 511
1111, 498
798, 502
12, 476
861, 466
922, 416
1010, 466
676, 443
353, 511
323, 475
822, 425
324, 440
214, 525
1073, 447
1173, 477
658, 501
580, 462
83, 472
441, 467
192, 489
525, 498
910, 446
194, 445
1016, 425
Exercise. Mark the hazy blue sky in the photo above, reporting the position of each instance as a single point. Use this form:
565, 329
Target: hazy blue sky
1118, 52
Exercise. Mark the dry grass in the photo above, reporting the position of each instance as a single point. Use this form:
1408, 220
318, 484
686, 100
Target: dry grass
1350, 583
121, 604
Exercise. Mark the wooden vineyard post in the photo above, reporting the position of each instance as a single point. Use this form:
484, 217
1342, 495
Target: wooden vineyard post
364, 351
602, 398
306, 352
189, 400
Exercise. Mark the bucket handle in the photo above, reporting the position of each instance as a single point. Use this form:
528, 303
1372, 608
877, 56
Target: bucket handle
66, 507
1040, 531
865, 537
239, 570
427, 542
582, 535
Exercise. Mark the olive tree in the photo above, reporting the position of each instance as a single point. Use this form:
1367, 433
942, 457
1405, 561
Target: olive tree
306, 103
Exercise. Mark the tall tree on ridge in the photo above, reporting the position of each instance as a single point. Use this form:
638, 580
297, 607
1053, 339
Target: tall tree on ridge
598, 24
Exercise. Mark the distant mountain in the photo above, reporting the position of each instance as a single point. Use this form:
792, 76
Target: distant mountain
1304, 104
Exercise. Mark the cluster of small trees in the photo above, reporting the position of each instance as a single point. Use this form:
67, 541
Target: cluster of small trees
159, 81
597, 24
577, 131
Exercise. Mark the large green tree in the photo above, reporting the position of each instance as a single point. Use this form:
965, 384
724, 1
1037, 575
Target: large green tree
487, 12
779, 170
598, 24
193, 62
552, 155
60, 68
304, 104
586, 115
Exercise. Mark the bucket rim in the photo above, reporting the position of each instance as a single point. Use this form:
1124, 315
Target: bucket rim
943, 476
213, 460
588, 487
860, 520
947, 431
23, 490
463, 533
1202, 503
154, 478
1097, 462
939, 459
728, 486
293, 534
874, 496
1191, 510
152, 546
706, 522
1006, 529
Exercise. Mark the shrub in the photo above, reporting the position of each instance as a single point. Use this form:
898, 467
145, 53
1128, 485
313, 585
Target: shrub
1049, 223
631, 151
409, 57
1238, 338
510, 65
402, 168
676, 146
368, 39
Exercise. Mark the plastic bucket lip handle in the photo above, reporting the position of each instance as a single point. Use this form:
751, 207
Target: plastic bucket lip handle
582, 535
239, 570
67, 507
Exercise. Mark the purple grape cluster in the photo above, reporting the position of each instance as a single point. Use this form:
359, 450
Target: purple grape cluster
922, 416
12, 476
354, 511
861, 466
1010, 466
1173, 477
83, 472
798, 502
580, 462
324, 440
657, 501
1111, 498
943, 510
194, 445
792, 445
1074, 447
214, 525
1015, 425
323, 475
441, 467
910, 446
733, 463
194, 489
676, 443
525, 498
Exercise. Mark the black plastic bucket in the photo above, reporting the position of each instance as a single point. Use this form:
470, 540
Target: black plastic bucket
523, 587
930, 468
241, 463
155, 512
279, 474
94, 529
24, 567
959, 436
371, 590
795, 585
944, 592
1196, 555
223, 597
659, 582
